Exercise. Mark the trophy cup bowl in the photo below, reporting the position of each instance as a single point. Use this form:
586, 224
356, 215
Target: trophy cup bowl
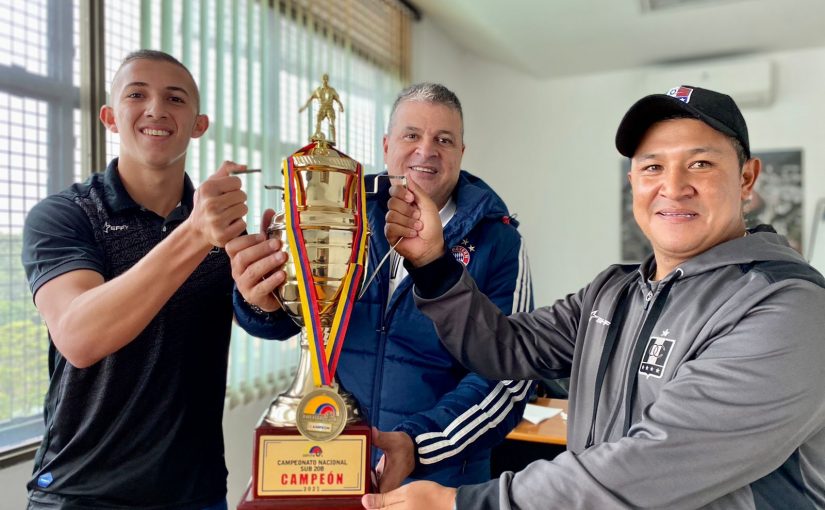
329, 225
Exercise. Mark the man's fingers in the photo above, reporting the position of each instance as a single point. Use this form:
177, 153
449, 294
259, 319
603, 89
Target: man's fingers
374, 501
266, 220
255, 252
403, 208
233, 230
218, 186
389, 482
226, 169
256, 268
263, 268
379, 468
257, 260
377, 439
396, 218
263, 295
241, 243
394, 232
402, 193
422, 200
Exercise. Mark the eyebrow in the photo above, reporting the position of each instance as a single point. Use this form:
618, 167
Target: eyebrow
144, 84
440, 132
692, 152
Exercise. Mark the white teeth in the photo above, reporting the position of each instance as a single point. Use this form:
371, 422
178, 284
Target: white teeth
155, 132
423, 169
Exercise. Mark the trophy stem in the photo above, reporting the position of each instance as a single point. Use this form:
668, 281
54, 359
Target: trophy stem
283, 409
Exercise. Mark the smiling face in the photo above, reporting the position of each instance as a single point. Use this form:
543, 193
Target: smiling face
154, 108
424, 143
688, 190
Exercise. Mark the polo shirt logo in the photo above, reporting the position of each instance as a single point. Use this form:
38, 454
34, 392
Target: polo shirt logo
657, 353
113, 228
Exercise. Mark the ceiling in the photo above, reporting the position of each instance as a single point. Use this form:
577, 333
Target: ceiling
554, 38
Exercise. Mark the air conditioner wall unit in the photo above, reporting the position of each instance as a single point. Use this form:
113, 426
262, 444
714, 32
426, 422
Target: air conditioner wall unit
749, 83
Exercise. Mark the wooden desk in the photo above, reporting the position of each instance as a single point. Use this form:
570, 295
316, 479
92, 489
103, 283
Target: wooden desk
550, 431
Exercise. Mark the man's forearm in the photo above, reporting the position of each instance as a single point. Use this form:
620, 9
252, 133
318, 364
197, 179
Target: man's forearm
105, 318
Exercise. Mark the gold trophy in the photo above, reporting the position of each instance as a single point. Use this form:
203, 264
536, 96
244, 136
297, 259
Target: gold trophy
311, 446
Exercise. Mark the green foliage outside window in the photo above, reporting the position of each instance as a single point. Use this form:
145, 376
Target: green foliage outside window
24, 343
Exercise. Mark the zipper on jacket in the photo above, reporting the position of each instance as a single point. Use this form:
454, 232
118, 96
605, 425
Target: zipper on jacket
614, 334
640, 345
382, 342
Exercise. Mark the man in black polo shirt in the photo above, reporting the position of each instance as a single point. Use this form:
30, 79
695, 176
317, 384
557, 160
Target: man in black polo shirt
127, 273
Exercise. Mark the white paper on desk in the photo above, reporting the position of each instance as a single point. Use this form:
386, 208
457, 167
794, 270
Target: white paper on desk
537, 414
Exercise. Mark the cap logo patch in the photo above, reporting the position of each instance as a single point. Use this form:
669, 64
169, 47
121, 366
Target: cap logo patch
681, 93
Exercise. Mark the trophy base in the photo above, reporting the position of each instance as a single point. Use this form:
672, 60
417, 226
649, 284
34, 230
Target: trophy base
291, 472
249, 502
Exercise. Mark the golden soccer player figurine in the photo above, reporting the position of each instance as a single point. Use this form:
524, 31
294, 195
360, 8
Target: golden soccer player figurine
325, 96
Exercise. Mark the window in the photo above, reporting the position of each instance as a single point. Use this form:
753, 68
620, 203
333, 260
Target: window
38, 100
255, 62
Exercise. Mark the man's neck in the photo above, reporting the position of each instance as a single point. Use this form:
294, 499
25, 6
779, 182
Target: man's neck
158, 190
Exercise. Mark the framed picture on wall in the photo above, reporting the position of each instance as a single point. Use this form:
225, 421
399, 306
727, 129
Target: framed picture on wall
777, 201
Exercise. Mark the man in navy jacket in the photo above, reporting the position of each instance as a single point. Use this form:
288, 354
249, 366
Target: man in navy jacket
439, 421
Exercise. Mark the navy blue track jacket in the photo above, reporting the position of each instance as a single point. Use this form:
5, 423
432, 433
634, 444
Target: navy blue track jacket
393, 362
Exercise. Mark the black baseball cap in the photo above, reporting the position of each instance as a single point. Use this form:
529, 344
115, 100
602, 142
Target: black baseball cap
715, 109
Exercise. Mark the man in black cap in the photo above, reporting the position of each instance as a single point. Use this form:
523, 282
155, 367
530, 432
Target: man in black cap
696, 377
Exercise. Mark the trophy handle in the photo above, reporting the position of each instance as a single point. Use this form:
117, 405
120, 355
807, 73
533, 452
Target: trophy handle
377, 268
403, 179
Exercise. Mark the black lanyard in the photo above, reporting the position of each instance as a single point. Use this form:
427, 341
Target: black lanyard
613, 333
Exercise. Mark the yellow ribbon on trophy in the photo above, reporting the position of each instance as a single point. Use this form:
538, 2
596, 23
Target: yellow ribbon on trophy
324, 357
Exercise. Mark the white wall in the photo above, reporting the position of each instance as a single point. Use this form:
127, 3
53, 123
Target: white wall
238, 432
547, 147
13, 486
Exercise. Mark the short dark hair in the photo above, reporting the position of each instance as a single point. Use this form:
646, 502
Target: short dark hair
434, 93
162, 56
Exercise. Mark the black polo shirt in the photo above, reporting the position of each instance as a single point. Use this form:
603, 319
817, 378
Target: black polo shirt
141, 427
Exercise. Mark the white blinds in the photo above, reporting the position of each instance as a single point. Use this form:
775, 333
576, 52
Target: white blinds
256, 63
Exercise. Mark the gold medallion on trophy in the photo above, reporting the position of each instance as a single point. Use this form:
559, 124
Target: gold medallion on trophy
321, 415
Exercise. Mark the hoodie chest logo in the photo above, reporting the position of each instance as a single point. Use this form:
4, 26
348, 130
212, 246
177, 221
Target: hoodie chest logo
657, 354
462, 252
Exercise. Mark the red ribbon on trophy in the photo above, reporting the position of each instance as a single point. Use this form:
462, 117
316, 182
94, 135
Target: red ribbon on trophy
325, 347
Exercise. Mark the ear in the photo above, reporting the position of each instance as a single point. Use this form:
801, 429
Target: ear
750, 172
385, 147
201, 125
107, 117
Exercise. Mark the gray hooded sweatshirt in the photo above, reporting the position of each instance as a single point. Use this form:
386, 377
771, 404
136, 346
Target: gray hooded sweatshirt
703, 390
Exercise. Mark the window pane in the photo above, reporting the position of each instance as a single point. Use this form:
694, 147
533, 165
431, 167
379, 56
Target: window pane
24, 346
24, 35
122, 36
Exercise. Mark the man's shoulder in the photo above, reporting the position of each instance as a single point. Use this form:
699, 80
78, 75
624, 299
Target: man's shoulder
63, 204
780, 270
